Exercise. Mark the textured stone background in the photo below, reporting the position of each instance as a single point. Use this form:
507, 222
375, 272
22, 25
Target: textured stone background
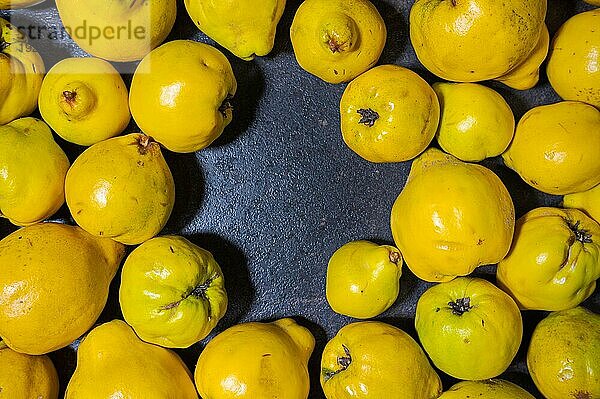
279, 192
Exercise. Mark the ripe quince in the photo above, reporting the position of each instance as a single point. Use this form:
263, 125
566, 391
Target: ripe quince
554, 260
389, 114
172, 292
256, 361
451, 217
181, 95
449, 36
563, 355
244, 27
555, 148
112, 362
121, 188
376, 360
55, 281
470, 329
32, 182
574, 60
337, 40
84, 100
363, 279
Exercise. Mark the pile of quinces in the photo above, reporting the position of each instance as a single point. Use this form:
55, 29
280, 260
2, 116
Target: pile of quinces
452, 216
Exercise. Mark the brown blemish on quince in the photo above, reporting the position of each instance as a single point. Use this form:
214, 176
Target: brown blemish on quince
582, 395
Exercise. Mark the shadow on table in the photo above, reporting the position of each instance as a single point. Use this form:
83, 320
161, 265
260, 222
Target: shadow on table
251, 83
314, 364
234, 264
189, 190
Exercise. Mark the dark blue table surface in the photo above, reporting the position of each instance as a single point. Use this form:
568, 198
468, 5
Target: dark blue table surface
279, 192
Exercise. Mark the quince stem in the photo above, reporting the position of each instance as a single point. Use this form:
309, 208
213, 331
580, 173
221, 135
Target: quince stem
334, 46
368, 117
70, 97
343, 361
144, 143
3, 44
199, 292
460, 306
581, 235
226, 105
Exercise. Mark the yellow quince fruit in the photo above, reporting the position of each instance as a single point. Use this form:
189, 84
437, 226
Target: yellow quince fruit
244, 27
33, 169
363, 279
121, 188
376, 360
54, 284
112, 362
574, 62
21, 73
120, 30
586, 201
256, 361
555, 148
181, 95
172, 292
470, 329
389, 114
476, 122
25, 376
337, 40
563, 355
84, 100
488, 389
554, 261
448, 36
451, 217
